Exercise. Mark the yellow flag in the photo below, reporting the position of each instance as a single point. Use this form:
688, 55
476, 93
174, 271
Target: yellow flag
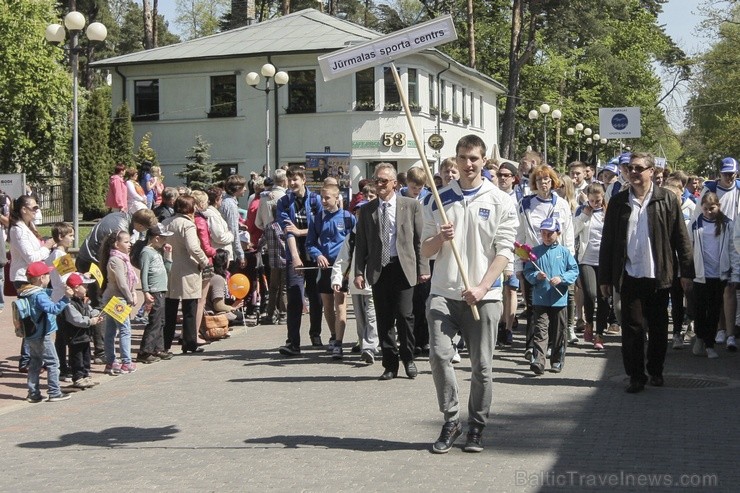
117, 309
65, 265
96, 273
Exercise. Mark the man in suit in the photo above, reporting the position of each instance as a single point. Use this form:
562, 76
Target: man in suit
387, 248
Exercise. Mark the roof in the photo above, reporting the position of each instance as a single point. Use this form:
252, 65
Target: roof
306, 31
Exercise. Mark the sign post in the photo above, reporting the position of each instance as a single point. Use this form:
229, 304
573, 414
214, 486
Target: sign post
386, 49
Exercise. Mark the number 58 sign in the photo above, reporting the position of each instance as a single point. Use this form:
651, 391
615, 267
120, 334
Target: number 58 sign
390, 139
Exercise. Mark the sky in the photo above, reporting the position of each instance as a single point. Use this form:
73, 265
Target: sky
680, 17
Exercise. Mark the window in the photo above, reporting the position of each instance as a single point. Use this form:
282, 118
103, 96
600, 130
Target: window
443, 94
146, 100
365, 90
413, 90
302, 91
432, 102
223, 96
226, 170
392, 99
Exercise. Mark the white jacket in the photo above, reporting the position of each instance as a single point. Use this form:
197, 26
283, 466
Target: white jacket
340, 267
529, 233
25, 248
582, 231
221, 235
725, 250
485, 226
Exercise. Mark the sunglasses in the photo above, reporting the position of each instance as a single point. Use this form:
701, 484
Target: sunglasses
637, 169
504, 175
382, 181
34, 208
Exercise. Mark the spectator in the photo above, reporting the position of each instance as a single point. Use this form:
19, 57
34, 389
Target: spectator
117, 196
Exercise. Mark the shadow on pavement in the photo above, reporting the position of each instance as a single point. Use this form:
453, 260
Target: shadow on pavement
321, 378
112, 437
349, 443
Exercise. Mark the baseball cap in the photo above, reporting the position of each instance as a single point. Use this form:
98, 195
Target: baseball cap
550, 224
36, 269
729, 165
625, 157
76, 279
160, 230
510, 167
611, 167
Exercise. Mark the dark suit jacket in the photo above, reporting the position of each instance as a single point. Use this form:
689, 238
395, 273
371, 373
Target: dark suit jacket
368, 246
668, 236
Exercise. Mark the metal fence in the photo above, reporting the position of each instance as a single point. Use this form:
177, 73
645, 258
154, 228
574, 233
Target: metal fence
50, 196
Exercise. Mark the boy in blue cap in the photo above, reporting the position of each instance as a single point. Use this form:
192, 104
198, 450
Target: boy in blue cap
555, 270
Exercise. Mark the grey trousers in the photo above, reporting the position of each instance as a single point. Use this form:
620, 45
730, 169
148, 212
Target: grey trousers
446, 317
367, 329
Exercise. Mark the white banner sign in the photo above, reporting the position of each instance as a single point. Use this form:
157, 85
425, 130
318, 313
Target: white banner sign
620, 123
13, 185
388, 48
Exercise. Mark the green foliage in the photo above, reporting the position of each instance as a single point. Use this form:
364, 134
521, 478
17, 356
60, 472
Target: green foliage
121, 141
200, 174
199, 18
128, 33
35, 92
145, 152
94, 154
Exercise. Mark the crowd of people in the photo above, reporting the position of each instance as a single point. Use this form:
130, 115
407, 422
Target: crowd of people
429, 270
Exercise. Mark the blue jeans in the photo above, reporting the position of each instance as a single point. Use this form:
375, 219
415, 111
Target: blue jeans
124, 338
42, 351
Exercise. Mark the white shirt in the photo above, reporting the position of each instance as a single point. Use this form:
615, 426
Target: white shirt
391, 216
711, 247
640, 263
593, 242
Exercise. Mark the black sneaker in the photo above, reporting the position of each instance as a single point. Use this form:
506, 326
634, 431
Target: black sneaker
289, 351
34, 399
316, 341
450, 431
474, 443
59, 397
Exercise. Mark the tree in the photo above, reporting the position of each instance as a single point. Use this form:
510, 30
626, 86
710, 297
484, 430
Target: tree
35, 92
145, 152
200, 18
121, 141
129, 37
199, 174
94, 154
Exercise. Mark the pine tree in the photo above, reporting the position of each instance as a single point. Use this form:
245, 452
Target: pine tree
145, 152
94, 153
199, 174
121, 140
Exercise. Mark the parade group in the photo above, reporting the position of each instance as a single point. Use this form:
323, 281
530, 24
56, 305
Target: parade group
429, 273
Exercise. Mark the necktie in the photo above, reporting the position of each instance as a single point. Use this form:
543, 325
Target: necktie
385, 225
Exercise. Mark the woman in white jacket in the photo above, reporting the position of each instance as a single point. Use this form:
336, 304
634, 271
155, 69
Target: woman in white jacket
711, 239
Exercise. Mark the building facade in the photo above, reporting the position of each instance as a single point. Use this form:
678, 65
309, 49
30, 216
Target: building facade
198, 88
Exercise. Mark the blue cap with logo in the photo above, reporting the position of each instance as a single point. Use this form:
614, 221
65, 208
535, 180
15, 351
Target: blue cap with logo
625, 157
550, 224
729, 165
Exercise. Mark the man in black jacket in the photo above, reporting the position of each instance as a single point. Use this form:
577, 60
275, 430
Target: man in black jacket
643, 235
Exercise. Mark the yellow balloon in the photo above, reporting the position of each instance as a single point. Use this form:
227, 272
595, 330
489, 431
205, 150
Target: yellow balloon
239, 286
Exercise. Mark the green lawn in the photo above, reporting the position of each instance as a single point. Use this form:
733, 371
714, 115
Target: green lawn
84, 231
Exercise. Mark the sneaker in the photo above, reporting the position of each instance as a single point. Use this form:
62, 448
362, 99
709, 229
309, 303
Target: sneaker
528, 355
22, 369
368, 356
113, 369
34, 399
83, 383
588, 333
332, 343
613, 329
474, 442
536, 369
316, 341
91, 382
65, 377
556, 367
731, 344
598, 342
509, 339
59, 397
98, 361
450, 431
677, 341
699, 348
690, 328
572, 337
456, 358
337, 352
357, 348
721, 337
164, 355
711, 353
128, 367
147, 359
461, 344
289, 351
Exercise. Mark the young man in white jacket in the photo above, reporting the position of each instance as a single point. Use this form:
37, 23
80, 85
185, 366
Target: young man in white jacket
483, 222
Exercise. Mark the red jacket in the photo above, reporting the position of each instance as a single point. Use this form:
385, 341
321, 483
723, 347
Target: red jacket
201, 225
117, 193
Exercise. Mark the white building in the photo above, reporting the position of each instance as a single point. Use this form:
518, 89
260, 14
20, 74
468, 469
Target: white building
198, 88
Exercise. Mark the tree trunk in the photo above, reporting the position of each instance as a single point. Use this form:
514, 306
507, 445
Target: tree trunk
518, 56
155, 13
471, 35
148, 25
285, 7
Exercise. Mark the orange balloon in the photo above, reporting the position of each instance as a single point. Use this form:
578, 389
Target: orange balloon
239, 286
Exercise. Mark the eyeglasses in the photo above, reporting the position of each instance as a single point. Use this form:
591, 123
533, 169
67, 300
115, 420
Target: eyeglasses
382, 181
34, 208
504, 175
637, 169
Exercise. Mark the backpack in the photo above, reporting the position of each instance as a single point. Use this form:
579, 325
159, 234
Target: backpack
23, 321
136, 249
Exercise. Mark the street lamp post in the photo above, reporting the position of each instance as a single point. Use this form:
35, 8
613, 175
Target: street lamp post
55, 34
279, 80
534, 114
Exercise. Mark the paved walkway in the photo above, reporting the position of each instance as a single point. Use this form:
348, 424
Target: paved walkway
240, 417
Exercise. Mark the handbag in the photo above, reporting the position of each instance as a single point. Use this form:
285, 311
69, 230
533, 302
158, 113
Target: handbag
217, 326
